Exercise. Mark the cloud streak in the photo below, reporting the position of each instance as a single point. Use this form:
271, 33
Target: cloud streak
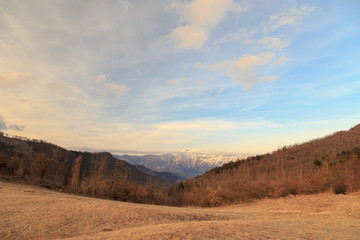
157, 75
15, 79
200, 17
244, 70
292, 16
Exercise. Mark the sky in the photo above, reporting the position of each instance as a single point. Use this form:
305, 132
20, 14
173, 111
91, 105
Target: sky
165, 75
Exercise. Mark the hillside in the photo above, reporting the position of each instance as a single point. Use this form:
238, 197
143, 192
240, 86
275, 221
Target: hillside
326, 164
167, 175
29, 212
92, 174
329, 164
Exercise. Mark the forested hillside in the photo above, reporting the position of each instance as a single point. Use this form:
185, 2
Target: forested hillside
331, 163
92, 174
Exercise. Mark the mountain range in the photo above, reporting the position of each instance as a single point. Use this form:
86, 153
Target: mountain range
94, 174
331, 163
183, 165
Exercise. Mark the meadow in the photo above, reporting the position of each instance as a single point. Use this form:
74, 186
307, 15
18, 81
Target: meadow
30, 212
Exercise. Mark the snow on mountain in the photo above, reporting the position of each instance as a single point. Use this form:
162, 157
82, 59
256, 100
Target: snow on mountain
185, 164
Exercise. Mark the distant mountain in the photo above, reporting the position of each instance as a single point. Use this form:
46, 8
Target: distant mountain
331, 163
185, 165
94, 174
166, 175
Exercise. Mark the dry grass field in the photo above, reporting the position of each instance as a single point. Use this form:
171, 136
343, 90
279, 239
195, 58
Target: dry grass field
29, 212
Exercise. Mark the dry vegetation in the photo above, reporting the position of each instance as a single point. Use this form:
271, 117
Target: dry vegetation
29, 212
91, 174
330, 164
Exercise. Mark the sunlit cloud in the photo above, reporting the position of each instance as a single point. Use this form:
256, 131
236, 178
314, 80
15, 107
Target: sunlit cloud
118, 90
160, 75
15, 79
101, 77
178, 80
173, 134
244, 69
200, 17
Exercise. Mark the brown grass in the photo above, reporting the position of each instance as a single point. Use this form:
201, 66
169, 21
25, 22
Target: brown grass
29, 212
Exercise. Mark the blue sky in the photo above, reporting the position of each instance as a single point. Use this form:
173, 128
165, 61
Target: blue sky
209, 75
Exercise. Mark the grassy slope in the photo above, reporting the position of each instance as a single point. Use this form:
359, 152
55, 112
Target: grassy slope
29, 212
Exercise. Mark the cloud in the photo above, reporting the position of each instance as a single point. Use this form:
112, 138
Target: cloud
178, 80
4, 126
290, 16
15, 79
200, 17
2, 123
118, 90
16, 127
273, 43
244, 69
197, 125
101, 77
189, 134
243, 35
282, 60
220, 91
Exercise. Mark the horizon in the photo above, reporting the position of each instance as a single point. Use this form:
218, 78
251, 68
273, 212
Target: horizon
164, 76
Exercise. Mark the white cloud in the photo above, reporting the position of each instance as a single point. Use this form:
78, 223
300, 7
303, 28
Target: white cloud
178, 80
243, 35
220, 91
197, 125
243, 70
269, 78
290, 16
200, 17
118, 90
101, 77
197, 133
273, 43
282, 60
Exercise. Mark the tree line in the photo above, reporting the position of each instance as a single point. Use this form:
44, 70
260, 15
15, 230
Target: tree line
329, 164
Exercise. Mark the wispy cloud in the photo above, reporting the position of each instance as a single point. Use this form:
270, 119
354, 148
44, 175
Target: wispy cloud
15, 79
178, 80
198, 133
199, 18
244, 70
243, 36
118, 90
286, 16
135, 74
273, 43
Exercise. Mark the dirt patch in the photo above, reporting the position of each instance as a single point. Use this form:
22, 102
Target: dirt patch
29, 212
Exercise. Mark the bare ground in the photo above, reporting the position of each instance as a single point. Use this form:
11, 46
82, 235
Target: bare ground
28, 212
